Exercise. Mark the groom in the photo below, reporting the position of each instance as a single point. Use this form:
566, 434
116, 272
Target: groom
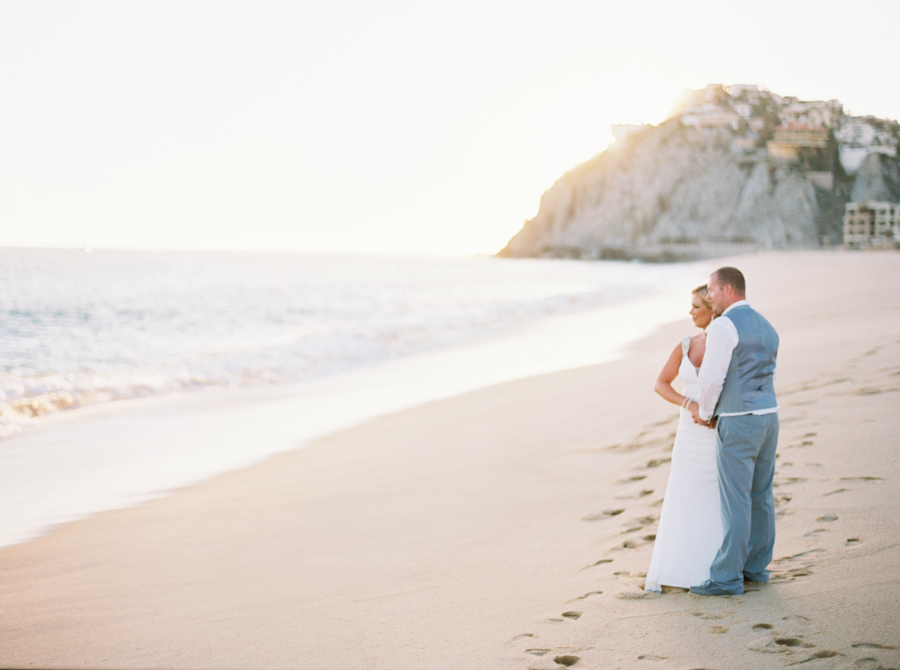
737, 396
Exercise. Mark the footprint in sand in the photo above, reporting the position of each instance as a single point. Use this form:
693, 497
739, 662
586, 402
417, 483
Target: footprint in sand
572, 615
793, 642
587, 595
645, 520
831, 493
789, 575
641, 494
827, 517
788, 568
822, 653
537, 652
636, 594
600, 562
652, 657
852, 542
566, 660
815, 533
861, 479
802, 443
791, 480
707, 617
871, 645
717, 630
763, 626
802, 554
639, 524
871, 391
776, 644
605, 514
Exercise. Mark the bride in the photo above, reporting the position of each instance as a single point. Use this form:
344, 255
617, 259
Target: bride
690, 523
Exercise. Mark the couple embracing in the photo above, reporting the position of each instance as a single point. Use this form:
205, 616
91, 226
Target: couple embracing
717, 524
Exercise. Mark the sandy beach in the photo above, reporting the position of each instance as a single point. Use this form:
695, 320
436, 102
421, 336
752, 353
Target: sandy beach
510, 526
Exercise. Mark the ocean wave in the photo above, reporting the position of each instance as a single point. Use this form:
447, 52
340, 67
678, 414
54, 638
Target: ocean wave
80, 330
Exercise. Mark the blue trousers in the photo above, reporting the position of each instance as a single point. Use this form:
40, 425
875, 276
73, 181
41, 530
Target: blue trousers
746, 457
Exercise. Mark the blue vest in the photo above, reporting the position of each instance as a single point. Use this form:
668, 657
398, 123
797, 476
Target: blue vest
749, 382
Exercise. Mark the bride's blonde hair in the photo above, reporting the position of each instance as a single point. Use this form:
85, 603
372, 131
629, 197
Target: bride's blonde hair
702, 291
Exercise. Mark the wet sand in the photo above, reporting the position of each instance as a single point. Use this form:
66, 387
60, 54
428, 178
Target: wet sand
510, 526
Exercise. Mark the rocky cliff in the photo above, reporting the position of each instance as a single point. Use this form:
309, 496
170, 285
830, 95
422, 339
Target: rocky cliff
673, 192
878, 179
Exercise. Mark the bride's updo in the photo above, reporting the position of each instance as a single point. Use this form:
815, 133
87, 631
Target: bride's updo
702, 291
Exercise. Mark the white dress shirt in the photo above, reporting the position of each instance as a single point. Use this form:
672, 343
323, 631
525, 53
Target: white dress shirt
721, 339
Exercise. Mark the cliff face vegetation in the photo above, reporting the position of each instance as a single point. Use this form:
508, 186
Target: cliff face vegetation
673, 192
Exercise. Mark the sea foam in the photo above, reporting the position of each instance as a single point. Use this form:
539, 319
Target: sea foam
86, 329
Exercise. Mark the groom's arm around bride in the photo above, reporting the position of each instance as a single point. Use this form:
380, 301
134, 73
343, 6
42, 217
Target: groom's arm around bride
737, 396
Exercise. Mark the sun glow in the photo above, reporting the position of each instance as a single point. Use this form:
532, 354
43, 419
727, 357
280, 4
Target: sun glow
398, 127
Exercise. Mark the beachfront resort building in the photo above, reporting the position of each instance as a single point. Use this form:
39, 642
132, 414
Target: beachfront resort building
875, 224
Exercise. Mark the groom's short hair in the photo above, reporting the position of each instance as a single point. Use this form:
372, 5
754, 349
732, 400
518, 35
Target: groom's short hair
732, 277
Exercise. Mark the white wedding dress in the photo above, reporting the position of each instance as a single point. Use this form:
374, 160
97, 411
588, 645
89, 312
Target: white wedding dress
690, 523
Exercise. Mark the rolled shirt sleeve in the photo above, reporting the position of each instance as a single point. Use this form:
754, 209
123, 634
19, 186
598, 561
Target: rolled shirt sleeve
721, 339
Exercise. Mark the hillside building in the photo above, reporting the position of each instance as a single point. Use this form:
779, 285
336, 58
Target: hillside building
743, 109
858, 136
710, 116
809, 145
792, 140
822, 113
871, 223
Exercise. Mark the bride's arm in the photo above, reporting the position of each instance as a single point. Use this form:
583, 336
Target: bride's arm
667, 375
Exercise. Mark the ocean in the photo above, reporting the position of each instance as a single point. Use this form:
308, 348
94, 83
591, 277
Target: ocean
126, 374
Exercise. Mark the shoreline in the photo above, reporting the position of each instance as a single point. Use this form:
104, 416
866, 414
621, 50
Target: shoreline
299, 319
233, 428
508, 525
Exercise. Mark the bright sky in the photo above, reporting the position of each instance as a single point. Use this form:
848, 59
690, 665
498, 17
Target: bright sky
395, 126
